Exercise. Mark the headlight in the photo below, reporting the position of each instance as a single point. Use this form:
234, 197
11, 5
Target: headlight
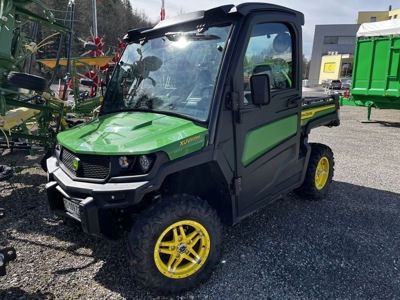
145, 163
124, 162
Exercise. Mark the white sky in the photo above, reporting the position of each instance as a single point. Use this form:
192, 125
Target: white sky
316, 12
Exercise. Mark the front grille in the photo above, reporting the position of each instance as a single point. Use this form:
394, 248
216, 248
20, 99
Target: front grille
90, 166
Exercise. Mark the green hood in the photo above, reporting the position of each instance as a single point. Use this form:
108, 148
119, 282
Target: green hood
129, 133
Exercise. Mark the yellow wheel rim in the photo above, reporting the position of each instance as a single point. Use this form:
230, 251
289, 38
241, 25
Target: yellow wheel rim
322, 173
182, 249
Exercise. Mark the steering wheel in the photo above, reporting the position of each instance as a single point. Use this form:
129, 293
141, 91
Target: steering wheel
281, 69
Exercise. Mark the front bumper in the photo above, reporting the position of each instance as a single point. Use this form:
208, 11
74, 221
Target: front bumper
88, 198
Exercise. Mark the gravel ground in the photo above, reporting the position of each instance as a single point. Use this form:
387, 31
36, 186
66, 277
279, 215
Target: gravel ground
343, 247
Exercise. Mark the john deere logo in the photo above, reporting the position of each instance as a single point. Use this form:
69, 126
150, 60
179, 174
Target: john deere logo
76, 164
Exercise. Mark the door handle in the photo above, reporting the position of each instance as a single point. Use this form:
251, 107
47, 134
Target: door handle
295, 101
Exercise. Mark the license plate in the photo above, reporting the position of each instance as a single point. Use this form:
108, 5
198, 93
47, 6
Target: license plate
71, 207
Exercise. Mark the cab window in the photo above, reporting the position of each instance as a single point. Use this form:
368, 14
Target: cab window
269, 51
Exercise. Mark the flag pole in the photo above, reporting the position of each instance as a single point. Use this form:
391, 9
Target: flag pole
94, 8
162, 13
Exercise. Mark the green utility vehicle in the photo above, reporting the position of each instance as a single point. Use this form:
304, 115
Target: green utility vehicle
376, 77
203, 122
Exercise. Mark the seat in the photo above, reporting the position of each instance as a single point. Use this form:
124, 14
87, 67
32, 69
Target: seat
278, 79
263, 69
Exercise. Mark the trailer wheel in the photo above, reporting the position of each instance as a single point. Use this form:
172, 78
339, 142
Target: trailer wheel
175, 244
27, 81
319, 173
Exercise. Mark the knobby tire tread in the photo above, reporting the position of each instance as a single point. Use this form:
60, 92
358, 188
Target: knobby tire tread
27, 81
308, 190
146, 230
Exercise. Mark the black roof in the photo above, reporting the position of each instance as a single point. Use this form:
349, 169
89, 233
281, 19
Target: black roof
206, 17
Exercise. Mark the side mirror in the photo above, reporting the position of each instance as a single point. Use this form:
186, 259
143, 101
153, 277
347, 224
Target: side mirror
260, 89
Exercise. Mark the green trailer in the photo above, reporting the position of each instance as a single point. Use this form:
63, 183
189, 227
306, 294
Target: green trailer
376, 72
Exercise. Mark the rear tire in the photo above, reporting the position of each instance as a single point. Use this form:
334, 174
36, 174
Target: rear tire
175, 244
27, 81
319, 173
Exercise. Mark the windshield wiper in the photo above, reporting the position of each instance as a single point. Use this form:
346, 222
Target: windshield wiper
190, 36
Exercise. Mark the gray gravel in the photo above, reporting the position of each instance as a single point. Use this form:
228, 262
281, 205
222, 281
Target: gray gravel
343, 247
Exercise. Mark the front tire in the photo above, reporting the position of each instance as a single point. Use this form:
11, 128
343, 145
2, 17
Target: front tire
319, 173
43, 160
175, 244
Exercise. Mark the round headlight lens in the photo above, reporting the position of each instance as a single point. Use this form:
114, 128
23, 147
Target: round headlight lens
124, 162
145, 163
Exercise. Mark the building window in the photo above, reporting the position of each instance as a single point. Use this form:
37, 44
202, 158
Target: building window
329, 40
346, 40
372, 19
346, 69
395, 17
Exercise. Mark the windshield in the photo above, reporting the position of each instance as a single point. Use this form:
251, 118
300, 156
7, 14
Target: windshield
171, 74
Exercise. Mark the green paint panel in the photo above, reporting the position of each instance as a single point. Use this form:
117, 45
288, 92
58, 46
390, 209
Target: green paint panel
347, 102
129, 133
318, 114
376, 74
261, 140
